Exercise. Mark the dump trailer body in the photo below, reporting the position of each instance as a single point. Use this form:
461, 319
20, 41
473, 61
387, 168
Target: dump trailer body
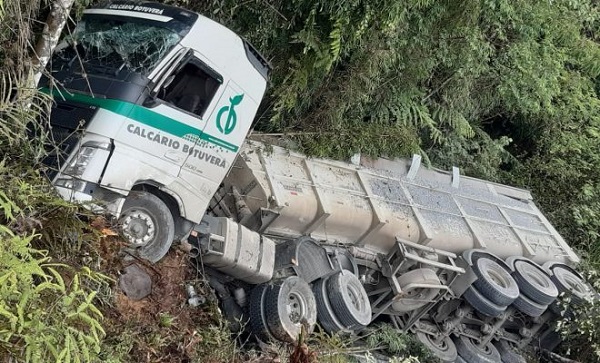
369, 205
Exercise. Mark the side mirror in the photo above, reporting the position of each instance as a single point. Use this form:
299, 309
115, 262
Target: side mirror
151, 101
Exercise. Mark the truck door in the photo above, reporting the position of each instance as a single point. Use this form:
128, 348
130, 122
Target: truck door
184, 96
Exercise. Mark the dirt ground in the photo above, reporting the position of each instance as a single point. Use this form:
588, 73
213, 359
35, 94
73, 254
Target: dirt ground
162, 327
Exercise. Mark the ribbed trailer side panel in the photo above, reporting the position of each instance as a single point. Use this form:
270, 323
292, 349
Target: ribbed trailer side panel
371, 204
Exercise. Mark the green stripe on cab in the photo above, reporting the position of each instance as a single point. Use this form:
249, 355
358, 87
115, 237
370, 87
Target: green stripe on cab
144, 116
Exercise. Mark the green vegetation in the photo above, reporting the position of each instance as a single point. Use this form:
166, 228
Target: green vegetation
46, 309
580, 329
506, 89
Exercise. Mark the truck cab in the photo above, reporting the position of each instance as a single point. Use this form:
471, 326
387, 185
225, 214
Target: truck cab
151, 105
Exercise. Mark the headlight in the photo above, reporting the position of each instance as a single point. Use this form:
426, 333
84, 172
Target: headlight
77, 166
74, 184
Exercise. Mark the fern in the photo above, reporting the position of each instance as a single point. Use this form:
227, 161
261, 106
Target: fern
43, 314
39, 322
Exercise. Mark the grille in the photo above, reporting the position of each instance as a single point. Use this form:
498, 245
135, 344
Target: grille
67, 121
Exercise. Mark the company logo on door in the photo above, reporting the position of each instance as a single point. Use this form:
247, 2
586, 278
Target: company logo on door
226, 117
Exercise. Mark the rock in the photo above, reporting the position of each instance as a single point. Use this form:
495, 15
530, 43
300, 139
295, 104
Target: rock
135, 282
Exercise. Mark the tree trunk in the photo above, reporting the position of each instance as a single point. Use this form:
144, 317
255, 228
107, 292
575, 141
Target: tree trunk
52, 29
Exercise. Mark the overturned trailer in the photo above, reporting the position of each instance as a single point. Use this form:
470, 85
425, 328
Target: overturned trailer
153, 105
472, 267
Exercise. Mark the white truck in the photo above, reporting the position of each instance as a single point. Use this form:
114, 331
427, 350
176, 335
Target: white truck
152, 108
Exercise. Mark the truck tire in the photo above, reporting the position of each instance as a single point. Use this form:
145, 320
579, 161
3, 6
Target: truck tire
419, 297
443, 349
481, 304
147, 224
534, 282
507, 353
288, 305
349, 299
325, 314
258, 320
529, 307
494, 282
473, 353
571, 284
459, 360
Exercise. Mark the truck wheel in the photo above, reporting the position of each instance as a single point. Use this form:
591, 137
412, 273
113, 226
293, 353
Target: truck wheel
443, 349
529, 307
494, 282
471, 352
288, 305
507, 353
417, 298
325, 314
349, 299
482, 304
571, 284
147, 224
534, 282
258, 321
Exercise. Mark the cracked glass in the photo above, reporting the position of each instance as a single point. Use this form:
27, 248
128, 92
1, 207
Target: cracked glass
117, 44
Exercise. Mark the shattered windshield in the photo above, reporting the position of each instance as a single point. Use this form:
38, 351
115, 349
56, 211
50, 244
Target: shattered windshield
118, 44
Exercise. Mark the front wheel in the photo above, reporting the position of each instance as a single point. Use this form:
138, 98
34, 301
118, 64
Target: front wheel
148, 226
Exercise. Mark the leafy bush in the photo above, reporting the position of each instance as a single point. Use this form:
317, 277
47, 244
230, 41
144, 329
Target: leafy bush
445, 71
400, 344
580, 328
46, 309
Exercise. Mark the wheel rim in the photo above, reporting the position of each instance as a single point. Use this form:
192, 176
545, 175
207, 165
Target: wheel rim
571, 282
354, 297
498, 279
139, 228
496, 275
439, 346
296, 307
574, 285
535, 275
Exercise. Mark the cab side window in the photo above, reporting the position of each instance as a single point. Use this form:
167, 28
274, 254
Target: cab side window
192, 88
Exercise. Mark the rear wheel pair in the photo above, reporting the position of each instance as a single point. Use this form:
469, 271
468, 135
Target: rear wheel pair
494, 289
470, 351
281, 310
461, 349
537, 289
529, 289
342, 303
569, 284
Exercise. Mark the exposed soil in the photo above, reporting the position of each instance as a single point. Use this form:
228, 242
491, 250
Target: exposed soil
168, 291
161, 327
